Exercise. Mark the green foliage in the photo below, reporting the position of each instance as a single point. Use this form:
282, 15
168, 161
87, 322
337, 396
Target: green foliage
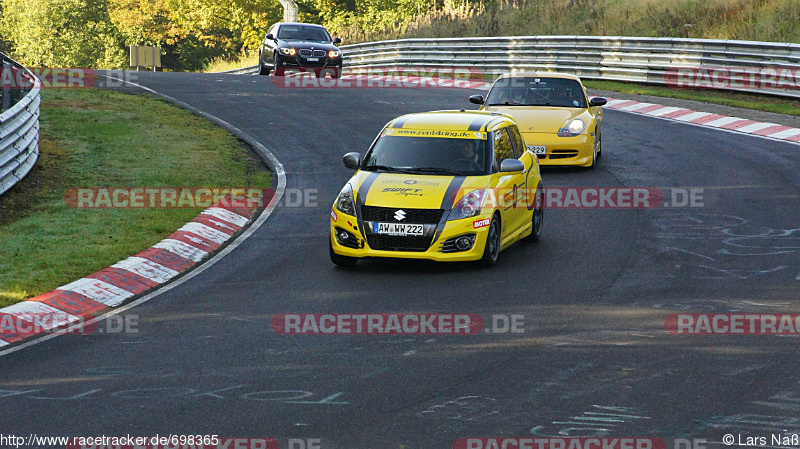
62, 33
193, 33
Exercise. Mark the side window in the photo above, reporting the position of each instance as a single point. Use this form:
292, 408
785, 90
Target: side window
516, 139
502, 147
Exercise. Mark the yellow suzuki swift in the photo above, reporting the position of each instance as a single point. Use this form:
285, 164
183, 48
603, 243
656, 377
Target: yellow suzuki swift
442, 185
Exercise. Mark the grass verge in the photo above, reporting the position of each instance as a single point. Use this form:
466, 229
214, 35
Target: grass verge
221, 65
735, 99
98, 138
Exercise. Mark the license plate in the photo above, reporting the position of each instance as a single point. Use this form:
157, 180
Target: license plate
537, 149
313, 59
397, 229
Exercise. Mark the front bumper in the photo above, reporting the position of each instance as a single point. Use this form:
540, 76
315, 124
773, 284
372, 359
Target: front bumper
298, 61
436, 250
578, 150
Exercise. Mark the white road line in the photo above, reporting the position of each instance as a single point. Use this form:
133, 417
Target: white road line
182, 249
723, 121
147, 269
636, 107
753, 127
785, 134
664, 111
98, 290
693, 116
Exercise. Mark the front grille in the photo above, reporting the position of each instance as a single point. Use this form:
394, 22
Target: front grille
563, 154
386, 215
398, 243
309, 53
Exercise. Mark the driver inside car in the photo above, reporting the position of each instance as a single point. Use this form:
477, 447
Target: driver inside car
515, 96
466, 158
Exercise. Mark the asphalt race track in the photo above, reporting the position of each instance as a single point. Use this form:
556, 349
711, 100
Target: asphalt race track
594, 358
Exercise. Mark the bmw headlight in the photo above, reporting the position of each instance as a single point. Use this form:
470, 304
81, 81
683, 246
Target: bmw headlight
469, 206
289, 51
333, 54
572, 128
345, 202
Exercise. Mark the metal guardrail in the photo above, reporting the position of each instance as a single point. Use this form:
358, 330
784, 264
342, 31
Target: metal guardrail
19, 123
634, 59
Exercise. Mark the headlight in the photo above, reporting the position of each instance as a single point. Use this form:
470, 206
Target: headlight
333, 54
289, 51
572, 128
345, 202
469, 206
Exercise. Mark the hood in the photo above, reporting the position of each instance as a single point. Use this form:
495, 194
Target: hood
538, 119
413, 191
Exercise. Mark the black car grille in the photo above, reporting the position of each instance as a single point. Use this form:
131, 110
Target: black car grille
315, 53
386, 215
398, 243
563, 154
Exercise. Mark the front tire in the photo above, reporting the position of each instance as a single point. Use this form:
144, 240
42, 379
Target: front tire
342, 261
596, 149
275, 65
491, 251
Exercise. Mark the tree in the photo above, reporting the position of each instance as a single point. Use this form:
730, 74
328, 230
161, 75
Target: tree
62, 33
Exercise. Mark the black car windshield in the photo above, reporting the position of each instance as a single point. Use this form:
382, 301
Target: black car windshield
303, 33
428, 155
537, 91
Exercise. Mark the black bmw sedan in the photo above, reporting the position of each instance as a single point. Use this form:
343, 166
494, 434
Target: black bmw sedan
290, 45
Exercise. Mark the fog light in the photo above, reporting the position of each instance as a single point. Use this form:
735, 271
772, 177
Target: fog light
463, 243
342, 235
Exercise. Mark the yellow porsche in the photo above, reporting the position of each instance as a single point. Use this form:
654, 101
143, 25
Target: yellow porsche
443, 186
559, 122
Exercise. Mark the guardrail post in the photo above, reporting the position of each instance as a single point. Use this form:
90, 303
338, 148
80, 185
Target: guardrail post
6, 88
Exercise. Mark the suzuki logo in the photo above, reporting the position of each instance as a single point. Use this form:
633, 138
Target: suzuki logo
400, 215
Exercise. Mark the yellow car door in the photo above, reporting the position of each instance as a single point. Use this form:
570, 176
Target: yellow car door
510, 186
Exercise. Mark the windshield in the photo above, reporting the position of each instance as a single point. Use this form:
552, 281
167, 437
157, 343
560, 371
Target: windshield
537, 91
428, 155
303, 33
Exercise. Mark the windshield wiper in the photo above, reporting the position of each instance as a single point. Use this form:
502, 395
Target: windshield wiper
507, 103
387, 168
439, 170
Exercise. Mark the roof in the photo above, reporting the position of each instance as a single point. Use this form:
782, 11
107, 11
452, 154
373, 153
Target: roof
300, 23
452, 120
568, 76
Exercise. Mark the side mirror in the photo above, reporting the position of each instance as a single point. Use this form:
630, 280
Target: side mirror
271, 37
336, 41
597, 101
477, 99
512, 166
352, 160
